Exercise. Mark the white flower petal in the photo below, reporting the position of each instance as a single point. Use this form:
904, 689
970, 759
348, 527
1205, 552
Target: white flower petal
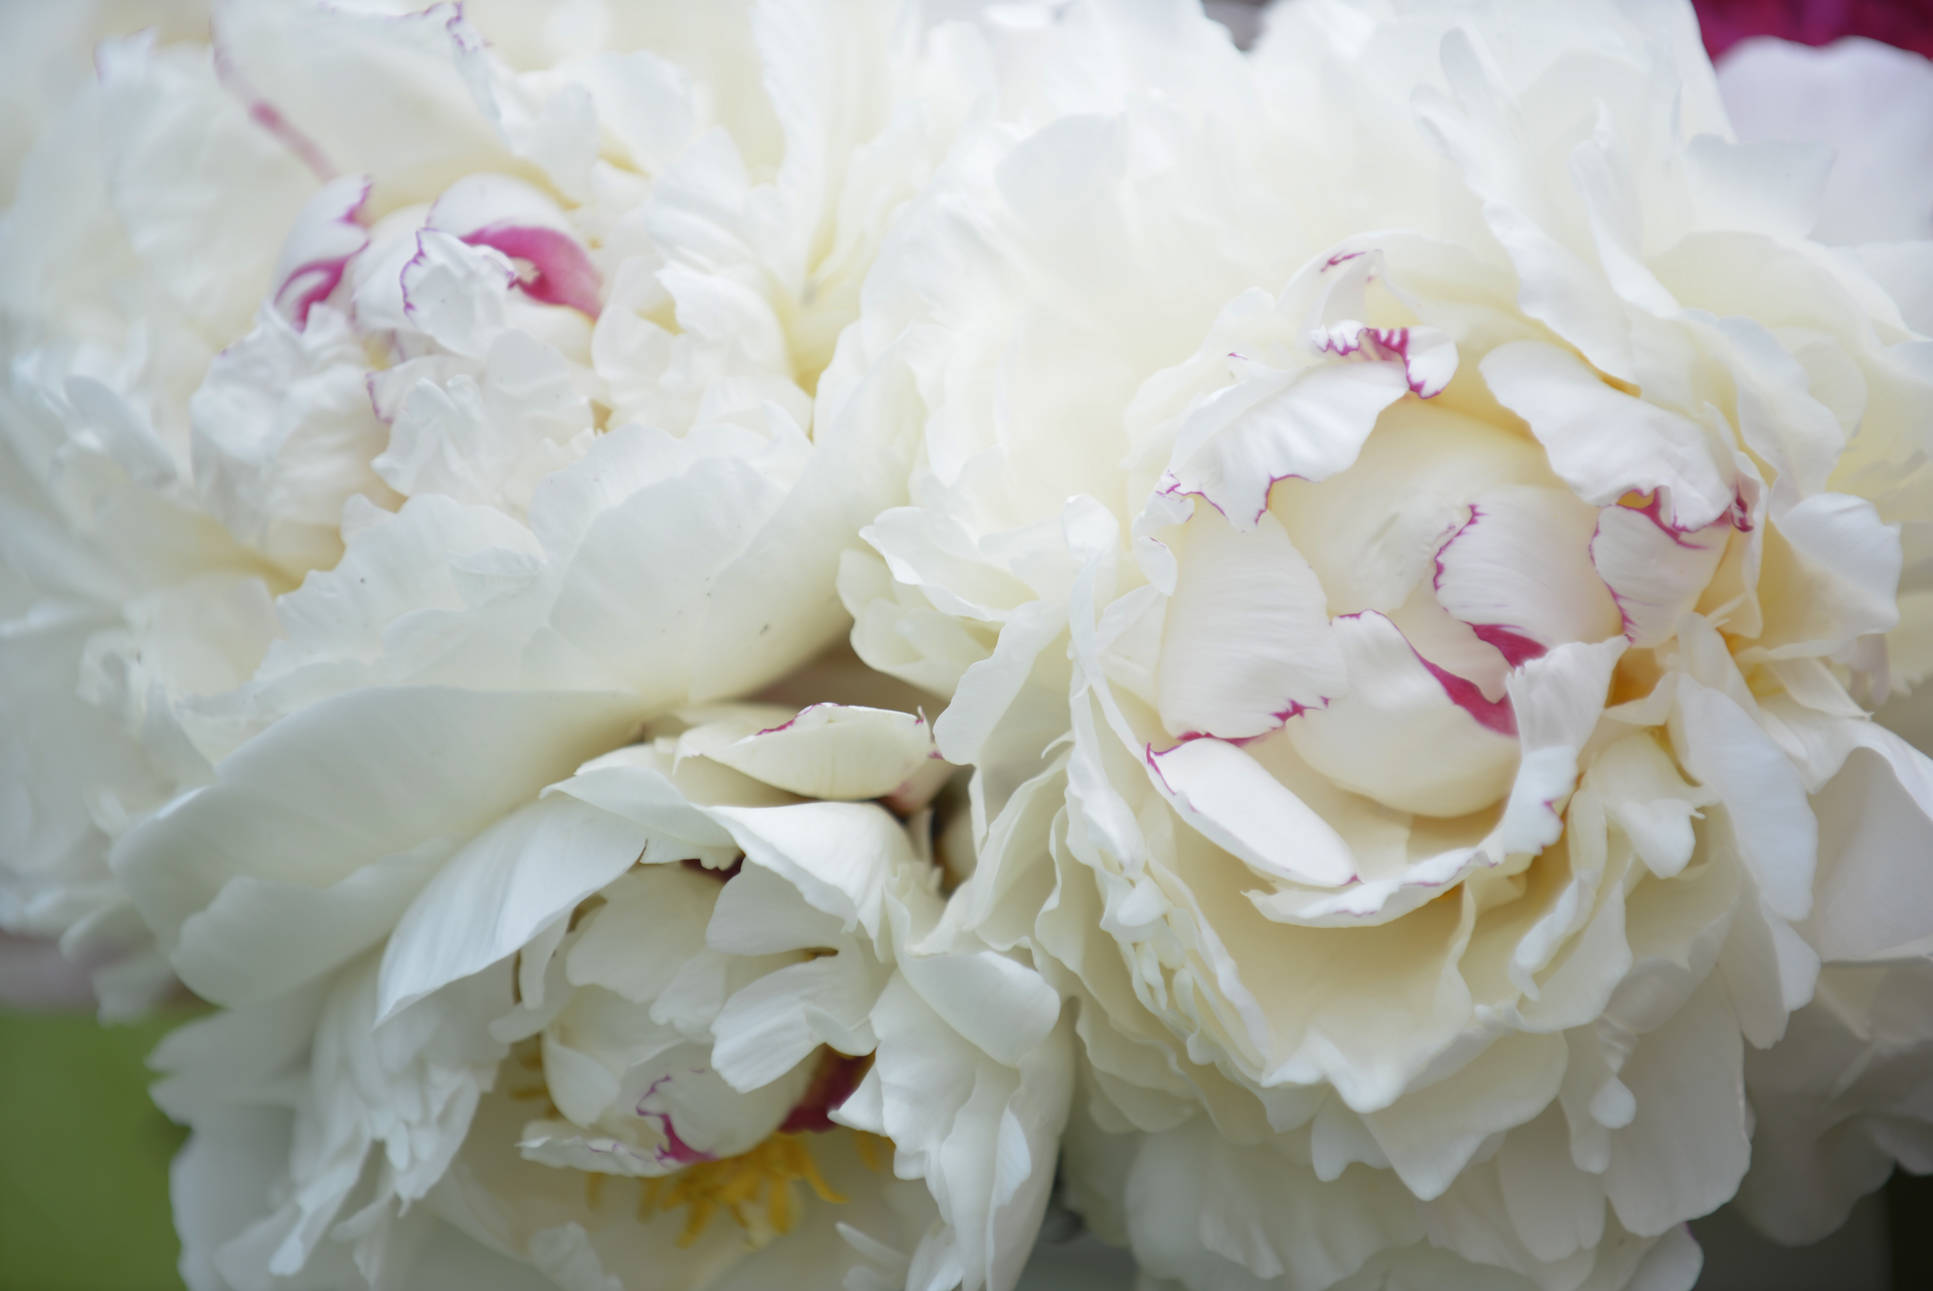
1764, 798
178, 147
831, 751
1428, 1144
1844, 582
1875, 831
1655, 573
1688, 1146
380, 94
1309, 427
1854, 95
260, 938
1215, 1213
837, 854
1232, 799
981, 1134
1605, 444
283, 437
348, 782
1246, 642
1519, 572
1403, 723
529, 868
778, 1021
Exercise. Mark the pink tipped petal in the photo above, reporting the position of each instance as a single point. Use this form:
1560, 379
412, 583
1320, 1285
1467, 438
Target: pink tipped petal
675, 1152
1427, 356
1246, 641
1451, 644
1372, 532
1515, 647
328, 234
1654, 573
525, 224
1490, 714
1604, 443
689, 1105
1408, 733
1235, 803
1519, 573
560, 270
1274, 426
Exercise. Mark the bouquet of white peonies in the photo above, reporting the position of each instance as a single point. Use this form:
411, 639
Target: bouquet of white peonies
745, 643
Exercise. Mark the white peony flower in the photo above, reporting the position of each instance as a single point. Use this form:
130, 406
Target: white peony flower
353, 348
1871, 104
121, 598
1411, 528
665, 1024
1844, 1094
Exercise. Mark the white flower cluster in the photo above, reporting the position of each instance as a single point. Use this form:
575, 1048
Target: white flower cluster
1400, 533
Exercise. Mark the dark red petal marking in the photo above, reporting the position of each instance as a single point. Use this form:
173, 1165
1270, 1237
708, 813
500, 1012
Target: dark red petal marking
832, 1084
561, 272
675, 1150
1491, 714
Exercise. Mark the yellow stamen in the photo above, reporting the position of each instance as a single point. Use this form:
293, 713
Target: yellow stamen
695, 1223
810, 1170
871, 1149
757, 1188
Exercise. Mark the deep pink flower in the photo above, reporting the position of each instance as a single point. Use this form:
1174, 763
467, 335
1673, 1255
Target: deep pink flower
1905, 23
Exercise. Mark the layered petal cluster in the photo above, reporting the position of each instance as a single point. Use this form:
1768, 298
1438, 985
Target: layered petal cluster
408, 411
1409, 527
662, 1023
1412, 529
369, 343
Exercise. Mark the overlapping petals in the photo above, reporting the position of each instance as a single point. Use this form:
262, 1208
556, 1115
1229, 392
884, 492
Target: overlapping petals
1406, 529
354, 347
665, 1023
1408, 742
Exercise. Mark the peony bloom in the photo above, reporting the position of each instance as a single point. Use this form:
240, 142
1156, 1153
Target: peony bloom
45, 53
1872, 106
664, 1022
1412, 528
1844, 1095
455, 346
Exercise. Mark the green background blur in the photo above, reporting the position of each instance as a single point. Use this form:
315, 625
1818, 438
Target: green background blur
83, 1157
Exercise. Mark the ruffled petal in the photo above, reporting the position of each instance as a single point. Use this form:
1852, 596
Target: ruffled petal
1604, 443
1246, 643
493, 896
1519, 572
1655, 573
1403, 724
825, 751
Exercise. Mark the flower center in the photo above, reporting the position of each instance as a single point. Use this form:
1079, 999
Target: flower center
758, 1189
